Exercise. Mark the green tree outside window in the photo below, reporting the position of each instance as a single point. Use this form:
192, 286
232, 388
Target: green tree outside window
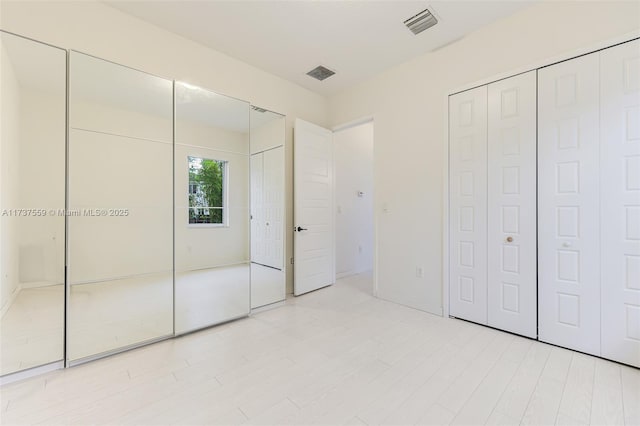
206, 190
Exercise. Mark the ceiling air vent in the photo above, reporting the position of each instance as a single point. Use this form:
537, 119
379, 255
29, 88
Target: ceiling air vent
258, 109
320, 73
421, 22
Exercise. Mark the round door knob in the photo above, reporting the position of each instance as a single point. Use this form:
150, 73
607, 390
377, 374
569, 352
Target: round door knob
509, 239
566, 244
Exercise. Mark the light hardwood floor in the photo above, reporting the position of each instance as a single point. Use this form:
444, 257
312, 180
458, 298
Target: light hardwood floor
335, 356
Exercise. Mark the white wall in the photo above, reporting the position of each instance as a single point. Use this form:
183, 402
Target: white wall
9, 180
123, 161
102, 31
42, 183
32, 154
354, 214
409, 110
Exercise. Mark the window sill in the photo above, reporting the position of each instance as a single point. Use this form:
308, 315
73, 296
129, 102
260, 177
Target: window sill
207, 225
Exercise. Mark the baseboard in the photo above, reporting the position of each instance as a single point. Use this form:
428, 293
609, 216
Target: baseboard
345, 274
38, 284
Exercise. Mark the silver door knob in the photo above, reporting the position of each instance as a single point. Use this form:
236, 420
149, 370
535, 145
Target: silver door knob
566, 244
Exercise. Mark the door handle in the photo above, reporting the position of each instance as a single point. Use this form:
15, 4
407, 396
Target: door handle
300, 229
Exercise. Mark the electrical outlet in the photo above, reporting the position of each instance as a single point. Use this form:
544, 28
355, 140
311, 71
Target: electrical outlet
419, 272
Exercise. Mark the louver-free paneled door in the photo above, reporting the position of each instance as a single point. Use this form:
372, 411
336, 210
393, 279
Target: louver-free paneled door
468, 205
620, 201
511, 219
493, 205
564, 267
568, 204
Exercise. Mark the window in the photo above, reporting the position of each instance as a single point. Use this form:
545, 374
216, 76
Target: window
207, 183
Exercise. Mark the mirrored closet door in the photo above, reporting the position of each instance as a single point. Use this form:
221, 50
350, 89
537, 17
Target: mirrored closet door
212, 273
32, 200
120, 208
268, 283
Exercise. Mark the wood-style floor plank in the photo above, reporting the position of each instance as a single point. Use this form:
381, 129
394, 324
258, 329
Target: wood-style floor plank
337, 356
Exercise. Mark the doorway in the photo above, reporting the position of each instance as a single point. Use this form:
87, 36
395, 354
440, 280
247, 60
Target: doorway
333, 205
354, 184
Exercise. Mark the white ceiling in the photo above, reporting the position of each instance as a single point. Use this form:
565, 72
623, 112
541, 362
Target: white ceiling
357, 39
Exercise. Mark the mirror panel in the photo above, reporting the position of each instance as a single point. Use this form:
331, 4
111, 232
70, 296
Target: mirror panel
268, 284
211, 208
32, 200
116, 100
120, 211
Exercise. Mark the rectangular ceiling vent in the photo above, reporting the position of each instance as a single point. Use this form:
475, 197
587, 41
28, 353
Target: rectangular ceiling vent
421, 22
320, 73
258, 109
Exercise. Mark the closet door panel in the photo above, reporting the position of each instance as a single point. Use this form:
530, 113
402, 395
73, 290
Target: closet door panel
512, 265
257, 208
568, 206
620, 202
468, 205
273, 207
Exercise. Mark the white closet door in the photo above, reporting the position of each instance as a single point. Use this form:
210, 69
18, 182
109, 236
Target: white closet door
568, 206
620, 202
468, 205
257, 209
273, 204
512, 263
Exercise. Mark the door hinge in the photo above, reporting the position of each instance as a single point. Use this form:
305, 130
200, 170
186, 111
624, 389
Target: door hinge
292, 260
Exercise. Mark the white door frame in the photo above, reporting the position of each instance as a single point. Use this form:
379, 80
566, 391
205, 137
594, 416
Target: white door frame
445, 139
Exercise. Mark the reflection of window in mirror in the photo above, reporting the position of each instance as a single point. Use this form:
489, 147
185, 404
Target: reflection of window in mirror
207, 191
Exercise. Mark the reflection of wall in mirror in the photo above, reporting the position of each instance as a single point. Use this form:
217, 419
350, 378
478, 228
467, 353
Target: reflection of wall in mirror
205, 246
98, 116
9, 158
96, 254
33, 159
267, 135
42, 184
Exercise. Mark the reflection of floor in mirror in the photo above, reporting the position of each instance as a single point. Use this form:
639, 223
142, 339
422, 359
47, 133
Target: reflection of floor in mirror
32, 330
267, 285
334, 356
108, 315
210, 296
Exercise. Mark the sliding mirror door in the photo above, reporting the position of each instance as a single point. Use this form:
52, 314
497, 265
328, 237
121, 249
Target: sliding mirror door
211, 208
120, 216
268, 283
32, 200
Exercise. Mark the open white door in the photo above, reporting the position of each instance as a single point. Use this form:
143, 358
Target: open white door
314, 251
